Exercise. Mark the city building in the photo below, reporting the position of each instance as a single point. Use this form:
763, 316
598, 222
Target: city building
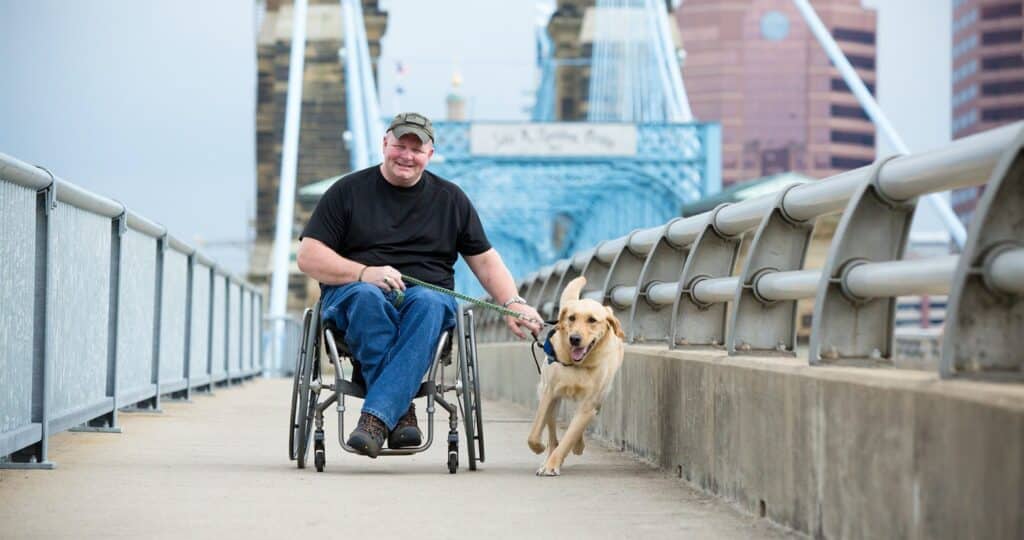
322, 147
988, 74
755, 66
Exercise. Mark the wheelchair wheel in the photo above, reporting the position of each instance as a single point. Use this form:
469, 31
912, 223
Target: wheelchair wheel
470, 391
307, 400
294, 421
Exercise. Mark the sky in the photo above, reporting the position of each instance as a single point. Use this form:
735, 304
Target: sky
152, 102
147, 102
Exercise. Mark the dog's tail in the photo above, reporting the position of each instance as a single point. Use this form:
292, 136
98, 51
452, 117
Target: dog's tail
572, 290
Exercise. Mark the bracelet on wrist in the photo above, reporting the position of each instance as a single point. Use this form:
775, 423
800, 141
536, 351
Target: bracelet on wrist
514, 300
360, 278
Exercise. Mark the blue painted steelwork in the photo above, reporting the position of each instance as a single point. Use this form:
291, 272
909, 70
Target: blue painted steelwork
538, 209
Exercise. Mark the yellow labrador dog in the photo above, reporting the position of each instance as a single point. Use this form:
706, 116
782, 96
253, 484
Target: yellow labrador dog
588, 348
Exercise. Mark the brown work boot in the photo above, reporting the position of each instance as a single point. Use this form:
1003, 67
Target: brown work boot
407, 433
368, 436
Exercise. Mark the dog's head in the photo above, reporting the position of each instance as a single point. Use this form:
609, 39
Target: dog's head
584, 323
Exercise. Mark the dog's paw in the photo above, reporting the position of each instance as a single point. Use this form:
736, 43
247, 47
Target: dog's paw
535, 445
546, 470
578, 448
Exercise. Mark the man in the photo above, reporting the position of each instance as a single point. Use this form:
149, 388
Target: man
370, 228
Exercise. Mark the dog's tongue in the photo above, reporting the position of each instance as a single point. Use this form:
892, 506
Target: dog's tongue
577, 353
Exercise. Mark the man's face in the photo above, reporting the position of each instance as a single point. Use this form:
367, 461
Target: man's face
405, 158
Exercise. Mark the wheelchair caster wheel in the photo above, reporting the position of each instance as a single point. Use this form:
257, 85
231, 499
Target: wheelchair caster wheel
319, 459
453, 462
319, 456
453, 457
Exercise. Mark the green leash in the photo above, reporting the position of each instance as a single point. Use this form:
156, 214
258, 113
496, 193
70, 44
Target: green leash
503, 310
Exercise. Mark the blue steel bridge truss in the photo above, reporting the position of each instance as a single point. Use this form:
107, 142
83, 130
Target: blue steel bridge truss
538, 209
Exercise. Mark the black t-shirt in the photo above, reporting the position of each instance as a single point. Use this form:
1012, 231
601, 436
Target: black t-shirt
419, 230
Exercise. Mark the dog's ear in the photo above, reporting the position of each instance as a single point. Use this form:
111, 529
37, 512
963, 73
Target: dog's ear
562, 313
613, 322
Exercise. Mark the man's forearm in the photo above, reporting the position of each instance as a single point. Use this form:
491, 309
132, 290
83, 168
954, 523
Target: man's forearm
495, 277
323, 264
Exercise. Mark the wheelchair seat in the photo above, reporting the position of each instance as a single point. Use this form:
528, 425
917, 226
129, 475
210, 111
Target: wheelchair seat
357, 384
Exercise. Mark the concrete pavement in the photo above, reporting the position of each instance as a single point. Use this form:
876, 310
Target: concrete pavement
218, 468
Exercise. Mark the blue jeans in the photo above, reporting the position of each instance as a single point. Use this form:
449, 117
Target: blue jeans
394, 346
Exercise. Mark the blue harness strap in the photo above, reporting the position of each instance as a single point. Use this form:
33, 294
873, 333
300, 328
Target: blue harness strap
549, 349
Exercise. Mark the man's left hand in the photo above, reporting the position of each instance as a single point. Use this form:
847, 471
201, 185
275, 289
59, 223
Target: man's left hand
531, 320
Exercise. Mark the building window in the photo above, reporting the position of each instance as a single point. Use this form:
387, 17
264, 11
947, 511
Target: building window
965, 95
1009, 61
967, 44
839, 85
852, 137
855, 36
966, 20
964, 71
1002, 88
998, 37
1000, 11
848, 111
965, 120
864, 62
1003, 113
846, 163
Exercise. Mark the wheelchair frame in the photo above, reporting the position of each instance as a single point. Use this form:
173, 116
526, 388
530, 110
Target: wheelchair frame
307, 409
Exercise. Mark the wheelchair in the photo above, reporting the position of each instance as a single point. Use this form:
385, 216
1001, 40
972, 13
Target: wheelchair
307, 407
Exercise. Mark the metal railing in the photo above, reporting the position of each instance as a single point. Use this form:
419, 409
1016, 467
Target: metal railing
102, 310
674, 283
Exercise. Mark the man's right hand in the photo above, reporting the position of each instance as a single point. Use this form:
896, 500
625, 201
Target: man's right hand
385, 277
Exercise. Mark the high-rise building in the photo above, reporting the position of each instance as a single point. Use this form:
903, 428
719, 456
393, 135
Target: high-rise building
324, 120
988, 74
755, 66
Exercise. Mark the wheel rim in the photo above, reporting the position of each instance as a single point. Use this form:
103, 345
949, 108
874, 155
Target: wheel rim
467, 393
307, 398
294, 422
477, 405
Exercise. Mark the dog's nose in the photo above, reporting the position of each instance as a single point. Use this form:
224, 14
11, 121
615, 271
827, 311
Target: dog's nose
575, 340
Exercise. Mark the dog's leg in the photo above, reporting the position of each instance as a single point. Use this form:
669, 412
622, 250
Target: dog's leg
584, 414
578, 449
543, 410
552, 427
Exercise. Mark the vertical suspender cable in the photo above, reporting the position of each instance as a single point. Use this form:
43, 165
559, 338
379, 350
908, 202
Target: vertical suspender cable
286, 192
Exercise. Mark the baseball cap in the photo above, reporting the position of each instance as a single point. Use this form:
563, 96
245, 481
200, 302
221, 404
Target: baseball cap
415, 123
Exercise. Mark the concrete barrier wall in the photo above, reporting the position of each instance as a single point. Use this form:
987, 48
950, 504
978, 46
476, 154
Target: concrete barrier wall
835, 452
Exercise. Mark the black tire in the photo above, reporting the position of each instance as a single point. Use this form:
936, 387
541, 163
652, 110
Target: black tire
307, 398
453, 458
469, 411
478, 413
294, 421
319, 456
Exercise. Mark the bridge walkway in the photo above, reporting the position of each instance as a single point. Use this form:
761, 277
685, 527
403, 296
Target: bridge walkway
217, 468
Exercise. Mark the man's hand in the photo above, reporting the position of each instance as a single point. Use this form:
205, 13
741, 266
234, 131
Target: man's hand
532, 320
385, 277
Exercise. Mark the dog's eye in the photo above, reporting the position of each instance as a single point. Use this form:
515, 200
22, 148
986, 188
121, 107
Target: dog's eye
591, 320
572, 318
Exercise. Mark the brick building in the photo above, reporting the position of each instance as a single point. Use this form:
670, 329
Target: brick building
322, 149
755, 66
988, 74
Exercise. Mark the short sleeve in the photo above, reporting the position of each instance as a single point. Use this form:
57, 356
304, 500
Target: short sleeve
330, 218
472, 238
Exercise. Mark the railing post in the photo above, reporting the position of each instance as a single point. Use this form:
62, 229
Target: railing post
624, 272
664, 264
757, 325
712, 255
873, 228
984, 320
